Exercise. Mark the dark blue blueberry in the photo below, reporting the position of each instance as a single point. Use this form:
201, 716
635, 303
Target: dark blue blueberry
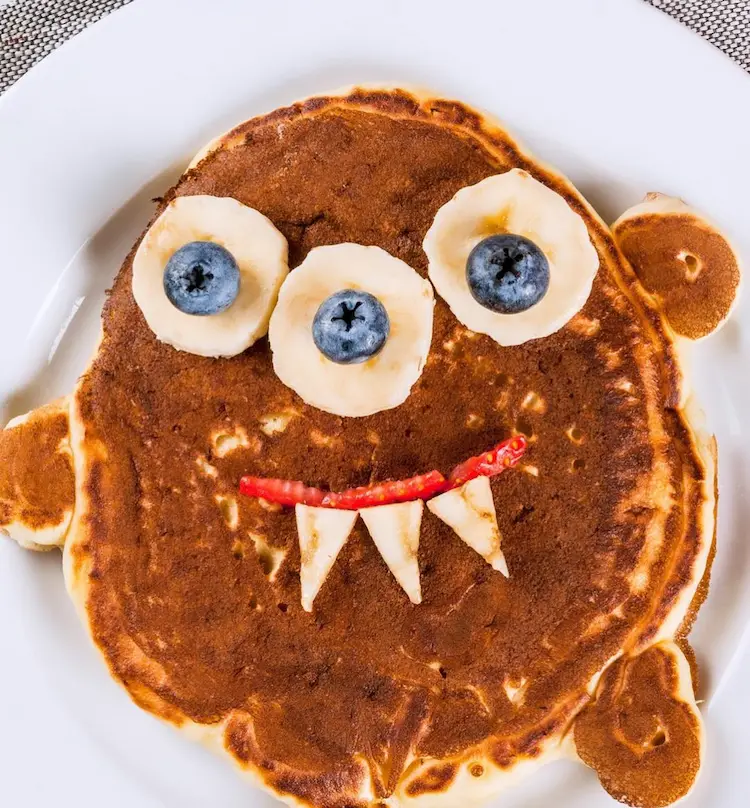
202, 278
507, 273
350, 327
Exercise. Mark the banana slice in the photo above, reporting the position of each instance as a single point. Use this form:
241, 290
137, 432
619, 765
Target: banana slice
395, 531
470, 511
684, 260
322, 534
516, 203
257, 246
385, 380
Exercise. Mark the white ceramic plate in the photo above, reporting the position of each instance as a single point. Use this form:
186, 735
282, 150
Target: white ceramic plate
618, 96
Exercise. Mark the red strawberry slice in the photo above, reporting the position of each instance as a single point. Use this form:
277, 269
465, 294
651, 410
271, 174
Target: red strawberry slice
423, 486
504, 456
282, 492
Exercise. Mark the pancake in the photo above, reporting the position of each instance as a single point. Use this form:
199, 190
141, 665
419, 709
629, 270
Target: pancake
37, 488
192, 593
684, 260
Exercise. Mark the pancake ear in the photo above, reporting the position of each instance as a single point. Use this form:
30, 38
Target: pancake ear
687, 264
643, 734
37, 490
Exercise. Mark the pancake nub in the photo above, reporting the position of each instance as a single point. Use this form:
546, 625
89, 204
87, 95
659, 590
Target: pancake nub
37, 488
192, 593
684, 260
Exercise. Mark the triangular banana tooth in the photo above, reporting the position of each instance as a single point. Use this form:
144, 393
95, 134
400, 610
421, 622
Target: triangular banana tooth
470, 511
395, 531
322, 534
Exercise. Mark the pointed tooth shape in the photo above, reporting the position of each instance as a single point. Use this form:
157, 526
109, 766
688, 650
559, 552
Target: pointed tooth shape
470, 511
322, 534
395, 531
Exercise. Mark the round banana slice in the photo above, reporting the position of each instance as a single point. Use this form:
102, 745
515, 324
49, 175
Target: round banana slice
259, 249
516, 203
383, 381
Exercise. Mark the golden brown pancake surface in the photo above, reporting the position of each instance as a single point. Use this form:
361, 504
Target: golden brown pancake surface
37, 490
684, 260
640, 742
201, 620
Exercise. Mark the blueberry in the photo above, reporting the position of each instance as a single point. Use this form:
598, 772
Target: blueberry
507, 273
202, 278
350, 327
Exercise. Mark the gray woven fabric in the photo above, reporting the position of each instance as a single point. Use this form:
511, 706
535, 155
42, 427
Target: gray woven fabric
726, 23
30, 29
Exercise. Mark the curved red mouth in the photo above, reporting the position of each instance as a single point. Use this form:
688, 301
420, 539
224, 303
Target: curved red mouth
424, 486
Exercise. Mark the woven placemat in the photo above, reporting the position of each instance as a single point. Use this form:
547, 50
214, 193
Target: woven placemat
30, 29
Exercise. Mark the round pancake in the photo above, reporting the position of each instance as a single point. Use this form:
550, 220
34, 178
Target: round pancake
36, 479
684, 260
192, 593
